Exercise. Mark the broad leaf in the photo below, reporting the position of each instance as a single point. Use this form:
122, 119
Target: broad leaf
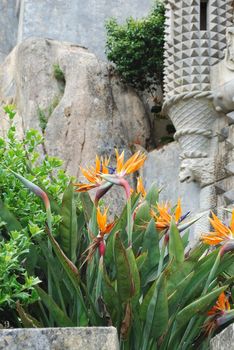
59, 316
156, 321
176, 246
125, 283
152, 195
151, 247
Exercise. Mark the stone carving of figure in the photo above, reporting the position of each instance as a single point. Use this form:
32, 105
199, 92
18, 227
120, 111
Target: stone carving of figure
229, 55
222, 78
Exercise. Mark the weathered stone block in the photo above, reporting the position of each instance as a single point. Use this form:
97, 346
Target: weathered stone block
224, 340
82, 338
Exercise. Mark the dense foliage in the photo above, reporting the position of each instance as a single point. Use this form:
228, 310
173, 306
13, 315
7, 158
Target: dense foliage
136, 48
22, 215
136, 273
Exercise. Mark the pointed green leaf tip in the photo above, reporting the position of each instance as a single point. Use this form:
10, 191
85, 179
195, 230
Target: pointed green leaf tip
34, 188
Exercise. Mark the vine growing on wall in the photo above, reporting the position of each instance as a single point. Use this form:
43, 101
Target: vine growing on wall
136, 48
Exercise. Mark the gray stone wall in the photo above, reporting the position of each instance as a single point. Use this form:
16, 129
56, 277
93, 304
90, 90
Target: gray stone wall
77, 21
162, 167
8, 26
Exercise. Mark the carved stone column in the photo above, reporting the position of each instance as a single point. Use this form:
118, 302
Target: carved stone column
195, 40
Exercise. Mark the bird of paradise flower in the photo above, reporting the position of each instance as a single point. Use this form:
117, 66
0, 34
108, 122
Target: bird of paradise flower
218, 315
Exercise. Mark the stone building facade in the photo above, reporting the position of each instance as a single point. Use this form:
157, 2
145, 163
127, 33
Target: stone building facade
198, 49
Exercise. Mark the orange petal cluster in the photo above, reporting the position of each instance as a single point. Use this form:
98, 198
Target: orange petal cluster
222, 304
92, 174
218, 310
221, 233
104, 228
131, 165
163, 217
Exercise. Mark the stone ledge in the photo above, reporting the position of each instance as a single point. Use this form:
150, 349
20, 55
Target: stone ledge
224, 340
77, 338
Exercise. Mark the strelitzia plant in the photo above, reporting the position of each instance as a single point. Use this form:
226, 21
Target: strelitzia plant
123, 275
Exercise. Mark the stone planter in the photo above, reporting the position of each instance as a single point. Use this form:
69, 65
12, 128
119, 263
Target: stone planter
77, 338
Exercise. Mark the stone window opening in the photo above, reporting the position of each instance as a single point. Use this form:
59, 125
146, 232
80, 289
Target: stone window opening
203, 14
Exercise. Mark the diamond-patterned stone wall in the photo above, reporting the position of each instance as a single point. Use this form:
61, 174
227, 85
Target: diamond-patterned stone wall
189, 51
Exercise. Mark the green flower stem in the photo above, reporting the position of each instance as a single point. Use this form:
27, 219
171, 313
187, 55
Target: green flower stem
162, 254
50, 284
129, 221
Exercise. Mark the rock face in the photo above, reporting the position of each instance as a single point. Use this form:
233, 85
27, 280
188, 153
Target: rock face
91, 338
91, 114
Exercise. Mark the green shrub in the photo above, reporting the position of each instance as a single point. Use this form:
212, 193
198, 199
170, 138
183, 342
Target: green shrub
16, 284
136, 48
22, 217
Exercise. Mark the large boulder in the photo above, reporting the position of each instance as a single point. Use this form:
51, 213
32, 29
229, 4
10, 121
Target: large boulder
92, 113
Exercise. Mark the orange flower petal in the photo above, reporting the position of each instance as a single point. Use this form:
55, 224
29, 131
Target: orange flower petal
222, 304
211, 239
178, 211
98, 164
140, 187
84, 187
119, 161
89, 174
134, 163
101, 218
218, 225
232, 223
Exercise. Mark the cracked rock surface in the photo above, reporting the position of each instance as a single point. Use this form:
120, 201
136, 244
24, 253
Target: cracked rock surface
92, 114
77, 338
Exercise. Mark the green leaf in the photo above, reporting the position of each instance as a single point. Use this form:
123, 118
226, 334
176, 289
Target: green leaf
142, 215
176, 246
125, 283
152, 195
68, 227
93, 226
140, 260
200, 305
111, 299
151, 247
174, 299
87, 205
71, 272
156, 321
60, 318
135, 275
12, 223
